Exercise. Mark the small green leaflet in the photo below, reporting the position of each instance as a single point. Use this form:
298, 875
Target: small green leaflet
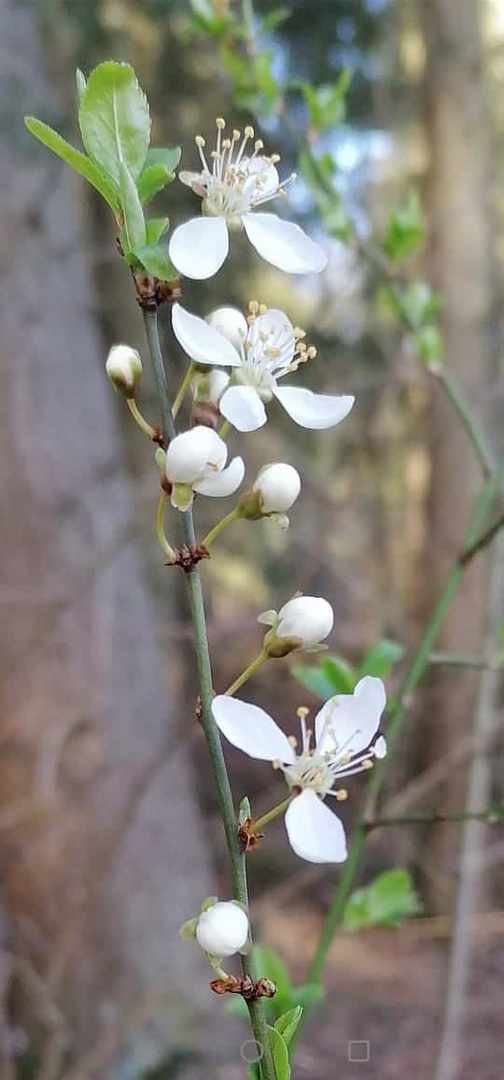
156, 227
153, 179
114, 119
169, 156
156, 260
288, 1023
134, 233
280, 1054
389, 899
76, 159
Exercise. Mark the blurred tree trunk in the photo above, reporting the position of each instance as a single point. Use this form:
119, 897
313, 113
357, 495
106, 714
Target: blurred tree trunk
101, 851
462, 269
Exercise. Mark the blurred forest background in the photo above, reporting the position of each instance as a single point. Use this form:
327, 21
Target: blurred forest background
108, 827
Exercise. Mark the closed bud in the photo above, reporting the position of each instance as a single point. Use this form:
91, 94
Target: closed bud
223, 929
279, 486
310, 619
124, 369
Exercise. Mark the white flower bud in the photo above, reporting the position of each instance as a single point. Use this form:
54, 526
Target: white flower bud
308, 618
218, 382
223, 929
231, 323
279, 486
124, 369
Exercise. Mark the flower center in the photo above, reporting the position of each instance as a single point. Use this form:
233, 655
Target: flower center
236, 181
319, 770
273, 348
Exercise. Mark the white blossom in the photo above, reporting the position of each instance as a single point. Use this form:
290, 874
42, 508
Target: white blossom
260, 351
345, 743
306, 619
278, 485
124, 368
195, 462
222, 929
232, 186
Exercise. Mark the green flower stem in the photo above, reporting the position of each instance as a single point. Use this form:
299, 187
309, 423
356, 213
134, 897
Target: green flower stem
475, 435
413, 676
160, 531
273, 813
221, 779
182, 390
139, 419
234, 515
250, 670
224, 428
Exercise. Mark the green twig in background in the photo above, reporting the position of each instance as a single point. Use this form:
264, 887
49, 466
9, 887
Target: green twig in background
221, 779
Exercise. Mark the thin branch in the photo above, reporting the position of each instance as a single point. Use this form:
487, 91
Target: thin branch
221, 779
491, 816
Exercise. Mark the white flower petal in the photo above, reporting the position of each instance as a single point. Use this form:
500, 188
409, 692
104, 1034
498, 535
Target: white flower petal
191, 453
259, 169
199, 247
351, 720
242, 406
284, 244
202, 342
224, 482
250, 729
315, 411
314, 832
380, 747
231, 323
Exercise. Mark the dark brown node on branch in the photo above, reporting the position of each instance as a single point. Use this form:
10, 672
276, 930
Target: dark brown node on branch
249, 990
151, 292
248, 836
189, 555
160, 440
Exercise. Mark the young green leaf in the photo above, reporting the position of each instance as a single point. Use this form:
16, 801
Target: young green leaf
169, 156
389, 899
314, 680
270, 966
287, 1023
156, 228
155, 259
326, 104
340, 673
280, 1054
405, 230
381, 658
76, 159
308, 994
429, 344
134, 231
153, 179
114, 119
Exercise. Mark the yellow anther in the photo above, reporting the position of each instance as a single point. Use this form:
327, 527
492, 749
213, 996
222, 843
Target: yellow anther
311, 352
258, 145
275, 765
226, 143
292, 740
302, 712
263, 309
236, 135
249, 132
341, 795
367, 764
253, 307
199, 140
274, 159
299, 333
220, 122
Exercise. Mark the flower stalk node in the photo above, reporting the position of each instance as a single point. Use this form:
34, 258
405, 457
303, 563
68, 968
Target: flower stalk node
151, 292
248, 835
189, 555
249, 990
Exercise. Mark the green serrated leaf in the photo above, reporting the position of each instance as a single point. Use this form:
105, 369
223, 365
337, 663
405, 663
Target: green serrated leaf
114, 119
169, 156
405, 230
153, 179
389, 899
134, 232
287, 1024
155, 259
381, 658
156, 228
280, 1054
76, 159
340, 673
308, 994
